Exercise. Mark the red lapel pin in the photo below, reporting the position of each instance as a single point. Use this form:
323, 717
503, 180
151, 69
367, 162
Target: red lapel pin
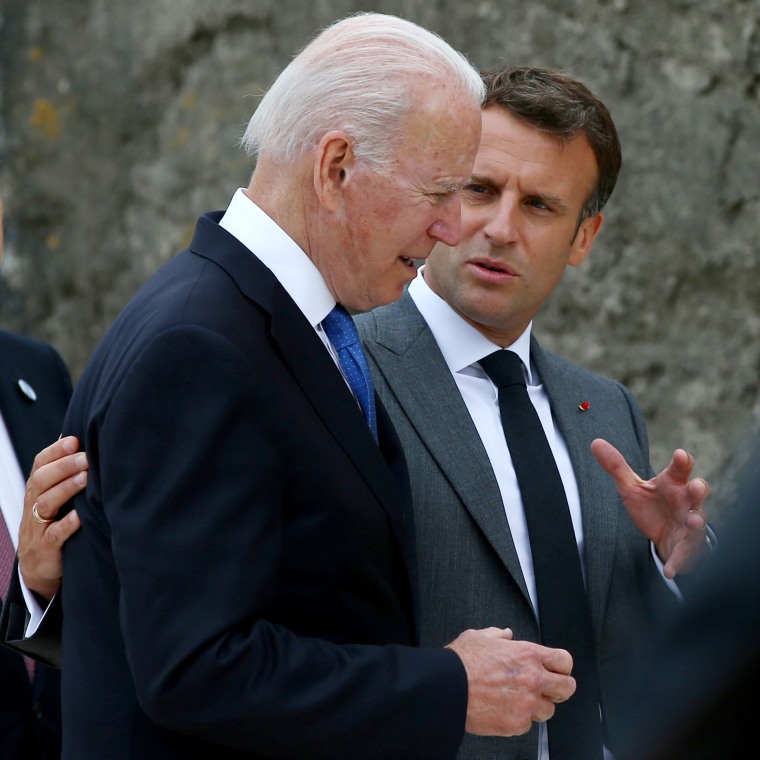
584, 406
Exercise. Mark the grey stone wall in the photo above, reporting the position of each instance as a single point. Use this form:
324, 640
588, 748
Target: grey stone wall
119, 121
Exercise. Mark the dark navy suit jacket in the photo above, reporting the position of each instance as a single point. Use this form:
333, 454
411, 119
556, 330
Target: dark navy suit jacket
243, 582
30, 723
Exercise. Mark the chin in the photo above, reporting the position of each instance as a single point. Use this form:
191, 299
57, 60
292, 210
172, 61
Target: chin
386, 297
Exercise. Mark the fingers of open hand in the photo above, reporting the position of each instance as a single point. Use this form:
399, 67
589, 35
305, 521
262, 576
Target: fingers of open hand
696, 521
699, 490
676, 562
681, 465
615, 465
607, 455
690, 548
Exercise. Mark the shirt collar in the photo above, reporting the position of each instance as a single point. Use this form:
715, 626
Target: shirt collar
460, 343
275, 249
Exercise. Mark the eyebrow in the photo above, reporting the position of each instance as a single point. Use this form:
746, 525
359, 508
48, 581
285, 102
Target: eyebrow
447, 184
479, 179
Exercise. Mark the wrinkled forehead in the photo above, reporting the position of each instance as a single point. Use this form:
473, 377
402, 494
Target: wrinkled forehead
441, 135
513, 146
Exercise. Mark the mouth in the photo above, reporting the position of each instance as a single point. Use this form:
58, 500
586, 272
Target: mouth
407, 261
493, 266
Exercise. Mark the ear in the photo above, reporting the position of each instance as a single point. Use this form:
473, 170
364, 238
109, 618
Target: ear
333, 165
584, 239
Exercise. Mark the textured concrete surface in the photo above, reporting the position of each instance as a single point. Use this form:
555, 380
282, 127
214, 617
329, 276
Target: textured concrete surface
119, 122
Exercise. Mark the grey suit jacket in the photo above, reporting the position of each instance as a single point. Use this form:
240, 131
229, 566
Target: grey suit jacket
469, 573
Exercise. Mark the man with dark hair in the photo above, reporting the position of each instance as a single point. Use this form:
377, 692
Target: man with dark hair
548, 160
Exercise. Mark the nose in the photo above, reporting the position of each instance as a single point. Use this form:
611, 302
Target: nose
501, 224
448, 224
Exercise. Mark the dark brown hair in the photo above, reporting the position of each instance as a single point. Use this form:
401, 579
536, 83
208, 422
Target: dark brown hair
554, 102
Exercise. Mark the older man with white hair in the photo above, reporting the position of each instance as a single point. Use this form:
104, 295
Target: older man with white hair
244, 581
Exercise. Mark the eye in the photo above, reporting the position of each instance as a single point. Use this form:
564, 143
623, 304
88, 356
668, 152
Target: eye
537, 203
475, 188
441, 195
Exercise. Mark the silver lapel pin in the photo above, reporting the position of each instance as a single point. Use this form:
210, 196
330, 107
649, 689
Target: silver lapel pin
27, 389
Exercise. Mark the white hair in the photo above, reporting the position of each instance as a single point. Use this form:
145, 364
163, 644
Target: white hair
361, 76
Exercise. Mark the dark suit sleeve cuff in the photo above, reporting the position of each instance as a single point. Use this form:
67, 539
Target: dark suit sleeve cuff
446, 700
45, 644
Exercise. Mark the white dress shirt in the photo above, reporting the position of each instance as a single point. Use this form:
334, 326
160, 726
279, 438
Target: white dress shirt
279, 253
294, 270
12, 484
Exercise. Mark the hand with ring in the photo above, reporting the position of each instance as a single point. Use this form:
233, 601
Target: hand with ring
59, 473
37, 517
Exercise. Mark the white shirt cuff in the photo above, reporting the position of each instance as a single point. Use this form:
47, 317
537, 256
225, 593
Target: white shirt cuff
36, 613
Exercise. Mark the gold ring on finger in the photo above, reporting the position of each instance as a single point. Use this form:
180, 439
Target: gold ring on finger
37, 515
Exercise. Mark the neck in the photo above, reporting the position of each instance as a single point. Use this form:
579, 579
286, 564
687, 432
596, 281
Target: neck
278, 190
286, 194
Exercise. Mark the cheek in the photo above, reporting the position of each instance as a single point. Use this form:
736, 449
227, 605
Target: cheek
548, 274
367, 211
473, 219
378, 258
452, 283
387, 224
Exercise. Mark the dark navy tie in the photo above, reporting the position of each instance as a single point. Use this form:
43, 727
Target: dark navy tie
341, 331
564, 618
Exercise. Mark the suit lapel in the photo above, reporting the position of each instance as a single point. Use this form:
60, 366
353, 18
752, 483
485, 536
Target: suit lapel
322, 383
599, 499
309, 362
412, 365
16, 409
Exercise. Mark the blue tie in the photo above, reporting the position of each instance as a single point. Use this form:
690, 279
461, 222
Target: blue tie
341, 331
